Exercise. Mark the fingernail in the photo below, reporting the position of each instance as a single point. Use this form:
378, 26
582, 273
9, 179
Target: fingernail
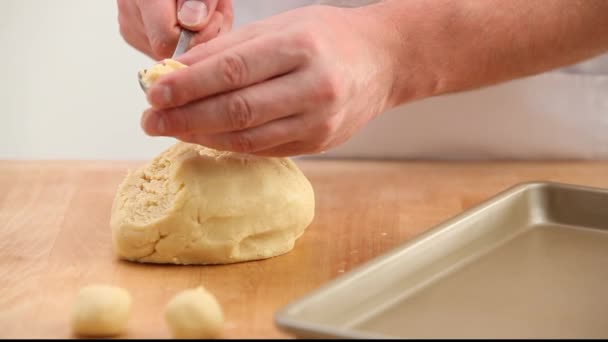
160, 96
165, 94
160, 124
153, 123
192, 12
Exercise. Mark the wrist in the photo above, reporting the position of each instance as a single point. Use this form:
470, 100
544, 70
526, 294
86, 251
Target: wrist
405, 38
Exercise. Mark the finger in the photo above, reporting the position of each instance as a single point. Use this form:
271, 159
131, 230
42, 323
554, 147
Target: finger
216, 46
225, 7
290, 149
246, 64
225, 28
211, 30
137, 39
259, 138
195, 14
235, 111
160, 22
131, 26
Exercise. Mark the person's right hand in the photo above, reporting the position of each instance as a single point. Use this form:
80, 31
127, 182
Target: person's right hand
153, 26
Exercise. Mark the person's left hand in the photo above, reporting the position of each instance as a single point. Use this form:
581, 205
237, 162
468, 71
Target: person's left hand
298, 83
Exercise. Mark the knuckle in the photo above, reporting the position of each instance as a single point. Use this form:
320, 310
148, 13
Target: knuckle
307, 44
241, 142
308, 122
124, 26
326, 128
239, 115
325, 133
234, 70
178, 122
122, 5
328, 89
160, 45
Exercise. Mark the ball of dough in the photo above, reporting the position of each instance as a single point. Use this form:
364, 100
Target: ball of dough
101, 310
149, 76
194, 314
195, 205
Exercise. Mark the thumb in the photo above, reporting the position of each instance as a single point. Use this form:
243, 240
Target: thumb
195, 14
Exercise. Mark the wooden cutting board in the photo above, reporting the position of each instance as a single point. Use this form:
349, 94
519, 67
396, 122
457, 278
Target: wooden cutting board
55, 237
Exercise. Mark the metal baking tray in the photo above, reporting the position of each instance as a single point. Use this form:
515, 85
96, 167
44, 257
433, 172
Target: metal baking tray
531, 262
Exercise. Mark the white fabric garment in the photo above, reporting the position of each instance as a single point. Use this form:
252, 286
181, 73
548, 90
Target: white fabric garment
562, 114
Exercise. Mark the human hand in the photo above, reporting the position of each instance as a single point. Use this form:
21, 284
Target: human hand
153, 26
297, 83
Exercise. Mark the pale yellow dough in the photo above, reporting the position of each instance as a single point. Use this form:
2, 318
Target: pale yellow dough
195, 205
149, 76
101, 311
194, 314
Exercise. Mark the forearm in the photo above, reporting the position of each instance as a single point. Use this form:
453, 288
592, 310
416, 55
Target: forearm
446, 46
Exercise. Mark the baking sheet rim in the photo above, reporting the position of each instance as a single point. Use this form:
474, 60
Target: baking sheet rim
292, 325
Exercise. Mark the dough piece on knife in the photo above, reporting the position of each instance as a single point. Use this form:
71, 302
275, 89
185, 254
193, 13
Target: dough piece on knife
149, 76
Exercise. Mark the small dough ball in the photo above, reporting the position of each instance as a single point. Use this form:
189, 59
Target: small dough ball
166, 66
194, 314
101, 310
195, 205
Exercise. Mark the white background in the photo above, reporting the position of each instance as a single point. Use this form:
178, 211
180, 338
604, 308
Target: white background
68, 90
68, 86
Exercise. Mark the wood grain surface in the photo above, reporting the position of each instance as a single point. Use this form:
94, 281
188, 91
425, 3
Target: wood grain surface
55, 237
